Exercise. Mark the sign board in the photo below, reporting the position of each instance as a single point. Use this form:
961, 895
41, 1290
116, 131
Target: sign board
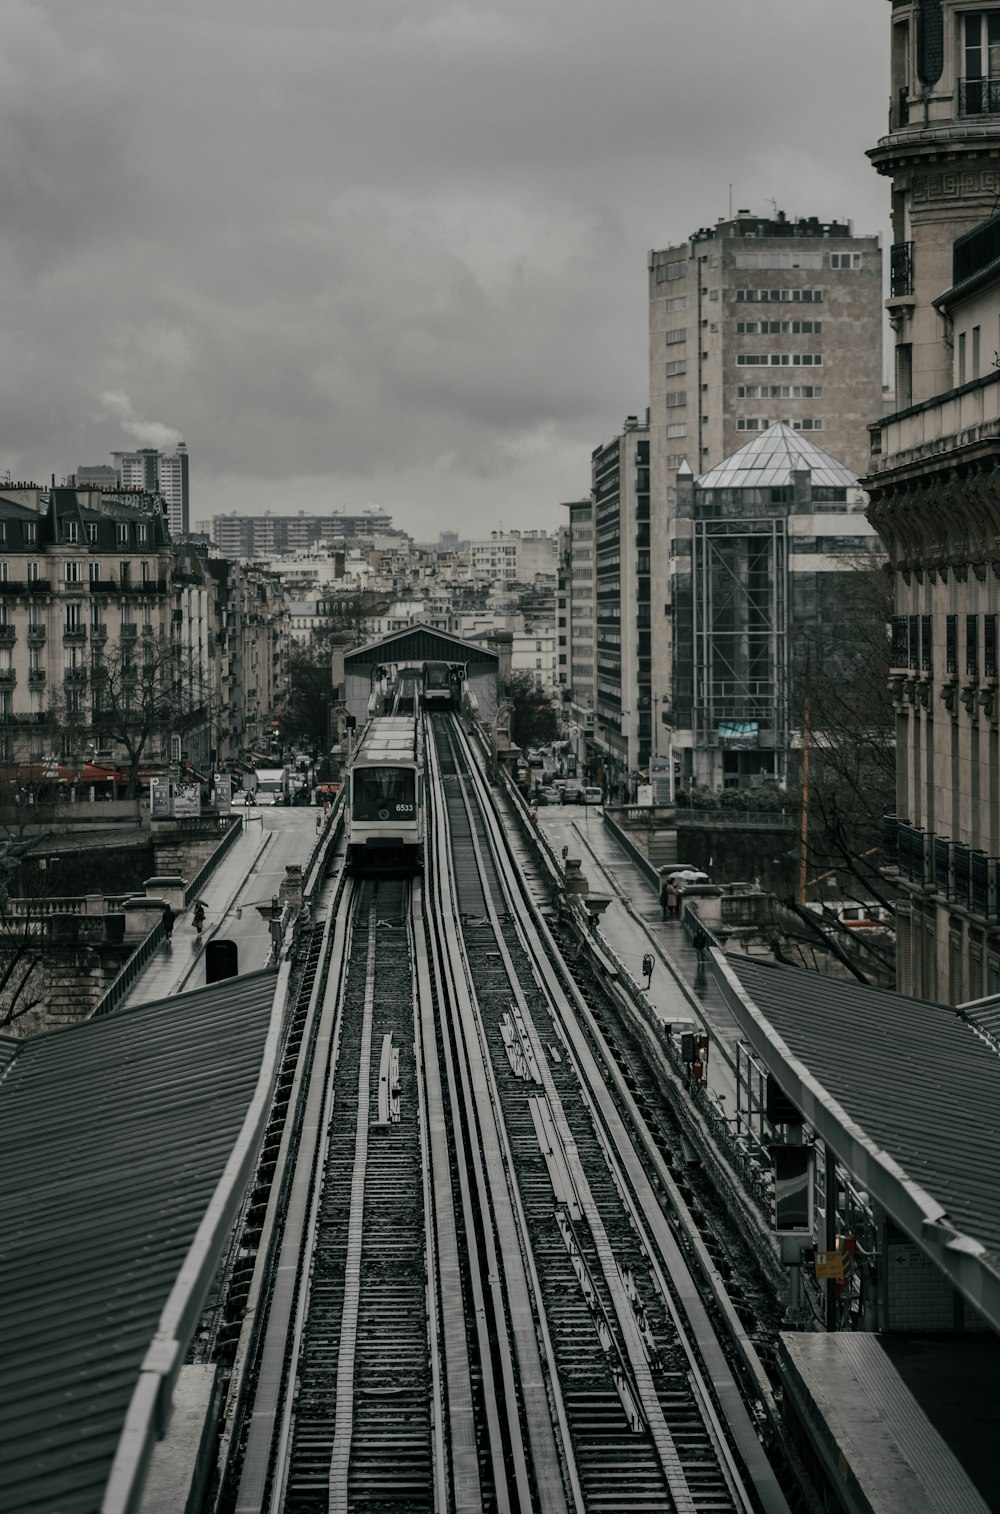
830, 1264
661, 778
737, 735
792, 1205
159, 798
187, 800
223, 793
644, 794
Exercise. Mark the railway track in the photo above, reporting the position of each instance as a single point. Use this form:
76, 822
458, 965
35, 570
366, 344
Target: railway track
468, 1296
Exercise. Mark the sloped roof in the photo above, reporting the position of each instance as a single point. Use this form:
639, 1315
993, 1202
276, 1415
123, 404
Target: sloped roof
770, 459
905, 1092
117, 1133
418, 642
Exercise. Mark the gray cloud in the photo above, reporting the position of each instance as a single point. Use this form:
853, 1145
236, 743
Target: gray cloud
386, 252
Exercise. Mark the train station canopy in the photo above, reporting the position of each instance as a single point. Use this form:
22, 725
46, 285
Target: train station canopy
905, 1092
419, 643
127, 1144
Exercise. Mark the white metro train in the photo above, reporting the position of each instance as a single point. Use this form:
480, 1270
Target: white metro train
385, 799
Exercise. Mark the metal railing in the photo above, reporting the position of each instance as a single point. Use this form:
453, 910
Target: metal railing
979, 97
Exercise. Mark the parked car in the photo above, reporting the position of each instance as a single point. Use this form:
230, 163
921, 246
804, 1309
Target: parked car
593, 795
551, 793
572, 793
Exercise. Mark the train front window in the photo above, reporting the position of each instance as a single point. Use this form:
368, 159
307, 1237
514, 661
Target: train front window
383, 793
436, 678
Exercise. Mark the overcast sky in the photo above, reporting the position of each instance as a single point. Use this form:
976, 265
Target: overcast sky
389, 252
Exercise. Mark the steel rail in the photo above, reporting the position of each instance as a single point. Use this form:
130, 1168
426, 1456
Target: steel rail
571, 1008
340, 1458
670, 1461
290, 1285
506, 1275
444, 1271
557, 1407
251, 1322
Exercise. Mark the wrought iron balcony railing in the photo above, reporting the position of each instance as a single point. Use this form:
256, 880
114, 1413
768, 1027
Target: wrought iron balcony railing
979, 97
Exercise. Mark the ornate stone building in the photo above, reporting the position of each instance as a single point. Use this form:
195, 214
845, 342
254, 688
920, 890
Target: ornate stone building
934, 486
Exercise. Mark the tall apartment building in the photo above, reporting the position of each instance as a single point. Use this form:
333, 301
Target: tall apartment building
626, 703
576, 624
751, 322
155, 472
932, 484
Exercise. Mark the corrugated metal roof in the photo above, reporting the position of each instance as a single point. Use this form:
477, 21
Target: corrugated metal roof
770, 460
418, 642
116, 1134
913, 1076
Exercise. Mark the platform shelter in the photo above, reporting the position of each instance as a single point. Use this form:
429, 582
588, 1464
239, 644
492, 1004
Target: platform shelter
417, 644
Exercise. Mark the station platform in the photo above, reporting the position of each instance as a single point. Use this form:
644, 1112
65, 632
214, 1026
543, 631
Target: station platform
896, 1424
250, 874
681, 987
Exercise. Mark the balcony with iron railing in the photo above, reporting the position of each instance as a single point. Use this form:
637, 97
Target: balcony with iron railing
8, 636
74, 633
979, 97
36, 635
967, 878
129, 631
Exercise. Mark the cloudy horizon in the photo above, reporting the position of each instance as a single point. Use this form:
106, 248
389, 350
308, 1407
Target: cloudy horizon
385, 254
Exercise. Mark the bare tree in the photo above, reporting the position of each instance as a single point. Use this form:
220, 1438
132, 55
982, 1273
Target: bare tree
138, 692
844, 708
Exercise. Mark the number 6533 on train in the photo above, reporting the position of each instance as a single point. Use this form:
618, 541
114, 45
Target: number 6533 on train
385, 800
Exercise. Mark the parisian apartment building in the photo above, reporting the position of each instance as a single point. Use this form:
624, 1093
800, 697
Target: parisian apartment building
934, 497
752, 322
239, 536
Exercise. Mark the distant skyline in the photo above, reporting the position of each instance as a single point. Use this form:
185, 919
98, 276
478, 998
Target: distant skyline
389, 254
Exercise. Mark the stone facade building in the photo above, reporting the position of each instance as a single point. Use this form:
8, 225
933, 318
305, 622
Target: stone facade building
934, 486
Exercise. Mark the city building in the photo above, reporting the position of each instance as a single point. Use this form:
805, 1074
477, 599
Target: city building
760, 546
533, 651
752, 322
575, 605
257, 536
513, 556
934, 499
627, 707
155, 472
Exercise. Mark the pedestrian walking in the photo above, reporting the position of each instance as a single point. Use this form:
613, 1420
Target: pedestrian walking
168, 921
671, 897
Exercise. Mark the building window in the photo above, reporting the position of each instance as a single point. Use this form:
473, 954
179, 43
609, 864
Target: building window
779, 359
961, 357
845, 260
676, 368
679, 334
676, 459
779, 296
779, 259
74, 572
678, 429
72, 531
31, 572
676, 398
976, 333
750, 423
678, 302
92, 531
666, 273
979, 91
